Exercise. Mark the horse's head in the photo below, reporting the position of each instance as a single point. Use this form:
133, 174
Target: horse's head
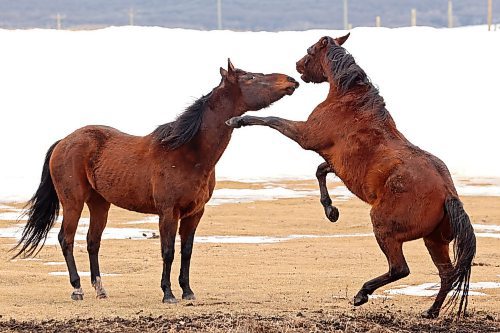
257, 90
310, 66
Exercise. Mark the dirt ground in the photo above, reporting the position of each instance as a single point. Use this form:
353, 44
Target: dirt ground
298, 285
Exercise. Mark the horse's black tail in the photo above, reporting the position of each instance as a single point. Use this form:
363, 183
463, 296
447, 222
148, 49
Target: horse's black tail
42, 211
464, 250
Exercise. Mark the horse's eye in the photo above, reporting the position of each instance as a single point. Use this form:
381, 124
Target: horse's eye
251, 77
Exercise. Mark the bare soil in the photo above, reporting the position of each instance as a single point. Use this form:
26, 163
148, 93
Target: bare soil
299, 285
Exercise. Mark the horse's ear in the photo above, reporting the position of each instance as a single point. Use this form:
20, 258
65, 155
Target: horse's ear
228, 76
223, 72
230, 66
324, 41
341, 40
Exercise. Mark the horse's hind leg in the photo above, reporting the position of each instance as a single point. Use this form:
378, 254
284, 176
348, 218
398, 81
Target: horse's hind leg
331, 212
439, 251
186, 230
71, 215
98, 208
398, 268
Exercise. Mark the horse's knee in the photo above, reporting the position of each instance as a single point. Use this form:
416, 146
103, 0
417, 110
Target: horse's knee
322, 170
93, 246
168, 253
320, 173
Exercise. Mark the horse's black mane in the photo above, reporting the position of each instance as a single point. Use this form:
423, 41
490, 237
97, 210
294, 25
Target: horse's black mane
185, 127
348, 75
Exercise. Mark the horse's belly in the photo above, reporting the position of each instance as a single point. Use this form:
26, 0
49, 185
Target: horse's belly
125, 190
131, 201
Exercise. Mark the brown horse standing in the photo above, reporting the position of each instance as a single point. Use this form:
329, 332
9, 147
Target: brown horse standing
169, 172
411, 191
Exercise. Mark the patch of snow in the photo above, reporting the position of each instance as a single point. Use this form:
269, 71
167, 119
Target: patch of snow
13, 216
432, 289
486, 227
228, 195
379, 296
150, 85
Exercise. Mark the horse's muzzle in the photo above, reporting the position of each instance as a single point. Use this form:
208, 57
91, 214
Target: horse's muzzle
290, 90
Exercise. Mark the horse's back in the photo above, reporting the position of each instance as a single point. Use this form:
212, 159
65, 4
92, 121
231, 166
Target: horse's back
85, 143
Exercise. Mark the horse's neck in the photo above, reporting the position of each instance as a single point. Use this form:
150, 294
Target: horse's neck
359, 132
214, 134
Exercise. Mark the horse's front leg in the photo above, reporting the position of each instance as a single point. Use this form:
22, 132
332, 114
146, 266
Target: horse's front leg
186, 231
331, 212
168, 230
294, 130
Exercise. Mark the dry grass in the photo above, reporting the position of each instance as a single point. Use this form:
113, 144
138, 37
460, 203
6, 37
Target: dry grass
303, 285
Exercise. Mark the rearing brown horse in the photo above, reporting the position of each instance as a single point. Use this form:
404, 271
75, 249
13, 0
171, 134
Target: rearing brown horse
411, 191
170, 172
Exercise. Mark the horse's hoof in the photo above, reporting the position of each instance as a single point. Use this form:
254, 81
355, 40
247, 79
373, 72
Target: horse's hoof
169, 300
234, 122
100, 292
189, 297
102, 296
360, 299
430, 314
77, 295
332, 213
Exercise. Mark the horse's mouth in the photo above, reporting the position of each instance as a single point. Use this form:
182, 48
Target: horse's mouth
290, 90
304, 78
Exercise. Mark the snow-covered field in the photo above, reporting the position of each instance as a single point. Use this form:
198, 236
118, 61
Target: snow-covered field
440, 85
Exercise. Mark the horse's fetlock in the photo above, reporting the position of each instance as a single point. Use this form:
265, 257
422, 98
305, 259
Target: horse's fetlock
400, 272
75, 283
326, 201
183, 282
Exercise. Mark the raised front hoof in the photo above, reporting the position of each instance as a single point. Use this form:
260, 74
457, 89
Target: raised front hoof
77, 295
332, 213
430, 314
234, 122
360, 299
189, 297
169, 300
